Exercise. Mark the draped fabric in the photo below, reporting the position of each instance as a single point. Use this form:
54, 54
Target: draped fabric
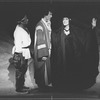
74, 58
41, 49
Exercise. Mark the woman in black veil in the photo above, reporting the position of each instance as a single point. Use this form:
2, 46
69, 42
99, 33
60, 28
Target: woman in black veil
74, 57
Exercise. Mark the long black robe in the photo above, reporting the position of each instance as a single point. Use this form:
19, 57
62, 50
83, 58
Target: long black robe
76, 67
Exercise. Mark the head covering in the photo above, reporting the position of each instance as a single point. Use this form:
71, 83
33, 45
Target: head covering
67, 18
23, 20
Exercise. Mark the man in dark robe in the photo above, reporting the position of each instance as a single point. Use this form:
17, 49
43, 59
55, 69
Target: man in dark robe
42, 50
74, 58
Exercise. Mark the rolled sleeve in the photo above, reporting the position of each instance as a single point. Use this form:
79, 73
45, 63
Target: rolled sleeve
39, 28
18, 40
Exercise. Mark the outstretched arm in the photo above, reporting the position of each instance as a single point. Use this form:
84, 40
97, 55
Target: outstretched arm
94, 21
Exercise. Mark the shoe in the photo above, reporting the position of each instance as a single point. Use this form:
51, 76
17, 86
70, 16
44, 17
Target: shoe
26, 88
22, 91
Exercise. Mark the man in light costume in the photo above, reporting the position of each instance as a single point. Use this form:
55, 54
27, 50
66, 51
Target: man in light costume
21, 53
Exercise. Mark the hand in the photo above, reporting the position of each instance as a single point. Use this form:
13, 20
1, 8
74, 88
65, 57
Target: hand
94, 22
44, 58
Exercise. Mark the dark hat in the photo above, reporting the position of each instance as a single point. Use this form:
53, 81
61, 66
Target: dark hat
23, 20
67, 18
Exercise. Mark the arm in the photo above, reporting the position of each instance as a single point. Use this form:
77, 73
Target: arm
94, 23
40, 43
18, 39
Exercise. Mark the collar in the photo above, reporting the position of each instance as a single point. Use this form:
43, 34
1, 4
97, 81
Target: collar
24, 28
48, 24
66, 32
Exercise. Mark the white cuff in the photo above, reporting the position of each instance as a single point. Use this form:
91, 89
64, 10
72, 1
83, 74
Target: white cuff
41, 46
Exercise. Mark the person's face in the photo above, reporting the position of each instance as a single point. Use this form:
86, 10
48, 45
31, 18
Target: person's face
25, 22
48, 17
65, 21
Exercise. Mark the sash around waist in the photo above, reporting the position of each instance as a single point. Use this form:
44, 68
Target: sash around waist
26, 47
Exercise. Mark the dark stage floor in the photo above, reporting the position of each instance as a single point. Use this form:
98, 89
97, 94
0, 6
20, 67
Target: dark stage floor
35, 94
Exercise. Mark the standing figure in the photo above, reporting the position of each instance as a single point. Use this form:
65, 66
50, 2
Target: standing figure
42, 51
21, 53
61, 53
65, 33
74, 57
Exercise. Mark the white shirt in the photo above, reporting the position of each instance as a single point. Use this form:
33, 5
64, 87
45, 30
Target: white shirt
21, 39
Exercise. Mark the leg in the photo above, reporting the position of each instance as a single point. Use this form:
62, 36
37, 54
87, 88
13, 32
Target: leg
48, 69
39, 76
20, 76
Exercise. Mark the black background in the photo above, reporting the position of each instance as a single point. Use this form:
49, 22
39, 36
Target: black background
78, 11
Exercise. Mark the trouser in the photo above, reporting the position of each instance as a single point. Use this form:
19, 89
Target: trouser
42, 74
21, 68
39, 76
